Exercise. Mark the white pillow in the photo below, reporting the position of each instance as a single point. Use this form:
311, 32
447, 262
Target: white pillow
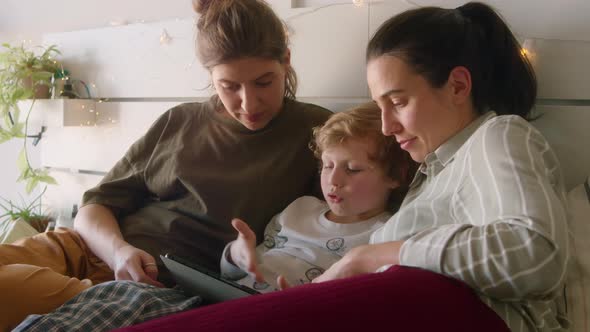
12, 230
578, 280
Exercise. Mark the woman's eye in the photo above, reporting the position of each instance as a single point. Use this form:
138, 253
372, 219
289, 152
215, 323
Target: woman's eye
397, 103
231, 87
327, 166
263, 84
353, 170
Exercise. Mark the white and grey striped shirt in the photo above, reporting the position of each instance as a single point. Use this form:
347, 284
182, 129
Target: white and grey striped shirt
488, 208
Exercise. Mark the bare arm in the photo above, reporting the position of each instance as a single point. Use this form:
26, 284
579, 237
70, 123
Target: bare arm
99, 229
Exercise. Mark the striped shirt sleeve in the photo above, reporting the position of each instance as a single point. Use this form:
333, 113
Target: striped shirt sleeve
507, 233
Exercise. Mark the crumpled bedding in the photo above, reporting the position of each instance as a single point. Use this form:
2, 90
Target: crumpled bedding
111, 305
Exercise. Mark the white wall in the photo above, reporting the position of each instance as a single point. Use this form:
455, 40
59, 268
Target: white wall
31, 19
146, 76
28, 20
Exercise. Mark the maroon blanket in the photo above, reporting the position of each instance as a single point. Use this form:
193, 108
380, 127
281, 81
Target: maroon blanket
402, 298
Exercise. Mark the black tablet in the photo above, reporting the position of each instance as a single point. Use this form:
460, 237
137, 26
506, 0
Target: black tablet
196, 280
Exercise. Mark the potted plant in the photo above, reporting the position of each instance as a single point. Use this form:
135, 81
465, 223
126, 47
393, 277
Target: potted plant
24, 74
30, 213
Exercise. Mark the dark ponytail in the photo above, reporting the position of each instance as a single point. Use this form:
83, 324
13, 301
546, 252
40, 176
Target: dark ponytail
434, 40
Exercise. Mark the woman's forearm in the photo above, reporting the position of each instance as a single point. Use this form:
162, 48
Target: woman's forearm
99, 229
363, 259
382, 254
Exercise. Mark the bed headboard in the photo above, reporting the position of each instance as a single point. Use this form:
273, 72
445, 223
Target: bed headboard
138, 75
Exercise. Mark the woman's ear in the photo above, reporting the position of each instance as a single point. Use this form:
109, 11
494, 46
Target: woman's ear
392, 184
460, 84
287, 57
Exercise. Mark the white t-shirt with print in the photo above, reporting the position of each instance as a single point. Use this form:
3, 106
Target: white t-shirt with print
300, 243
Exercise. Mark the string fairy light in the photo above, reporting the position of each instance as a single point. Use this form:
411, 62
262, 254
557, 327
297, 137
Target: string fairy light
165, 38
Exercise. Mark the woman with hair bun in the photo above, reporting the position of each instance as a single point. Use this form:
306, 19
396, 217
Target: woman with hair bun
243, 153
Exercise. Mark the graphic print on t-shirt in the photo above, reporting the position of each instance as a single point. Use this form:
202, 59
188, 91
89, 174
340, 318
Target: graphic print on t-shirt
335, 244
313, 273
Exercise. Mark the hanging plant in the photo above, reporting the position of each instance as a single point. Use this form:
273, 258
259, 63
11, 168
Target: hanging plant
24, 75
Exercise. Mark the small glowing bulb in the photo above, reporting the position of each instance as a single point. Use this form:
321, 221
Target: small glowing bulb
358, 3
165, 37
524, 52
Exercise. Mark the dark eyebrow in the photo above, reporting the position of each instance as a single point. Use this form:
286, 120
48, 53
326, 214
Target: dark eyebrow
390, 92
261, 77
265, 75
223, 80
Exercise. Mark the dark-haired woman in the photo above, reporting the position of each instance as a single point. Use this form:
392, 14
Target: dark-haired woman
487, 204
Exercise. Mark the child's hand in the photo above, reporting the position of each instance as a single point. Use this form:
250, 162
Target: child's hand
243, 249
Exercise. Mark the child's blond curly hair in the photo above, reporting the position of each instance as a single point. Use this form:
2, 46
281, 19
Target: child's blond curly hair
364, 122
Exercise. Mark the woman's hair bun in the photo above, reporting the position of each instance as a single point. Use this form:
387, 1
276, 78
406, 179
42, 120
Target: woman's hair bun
201, 6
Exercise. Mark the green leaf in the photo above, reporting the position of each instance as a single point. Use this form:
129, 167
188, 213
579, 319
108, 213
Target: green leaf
18, 130
31, 184
41, 76
4, 111
19, 94
5, 138
5, 135
47, 179
24, 175
16, 112
21, 161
